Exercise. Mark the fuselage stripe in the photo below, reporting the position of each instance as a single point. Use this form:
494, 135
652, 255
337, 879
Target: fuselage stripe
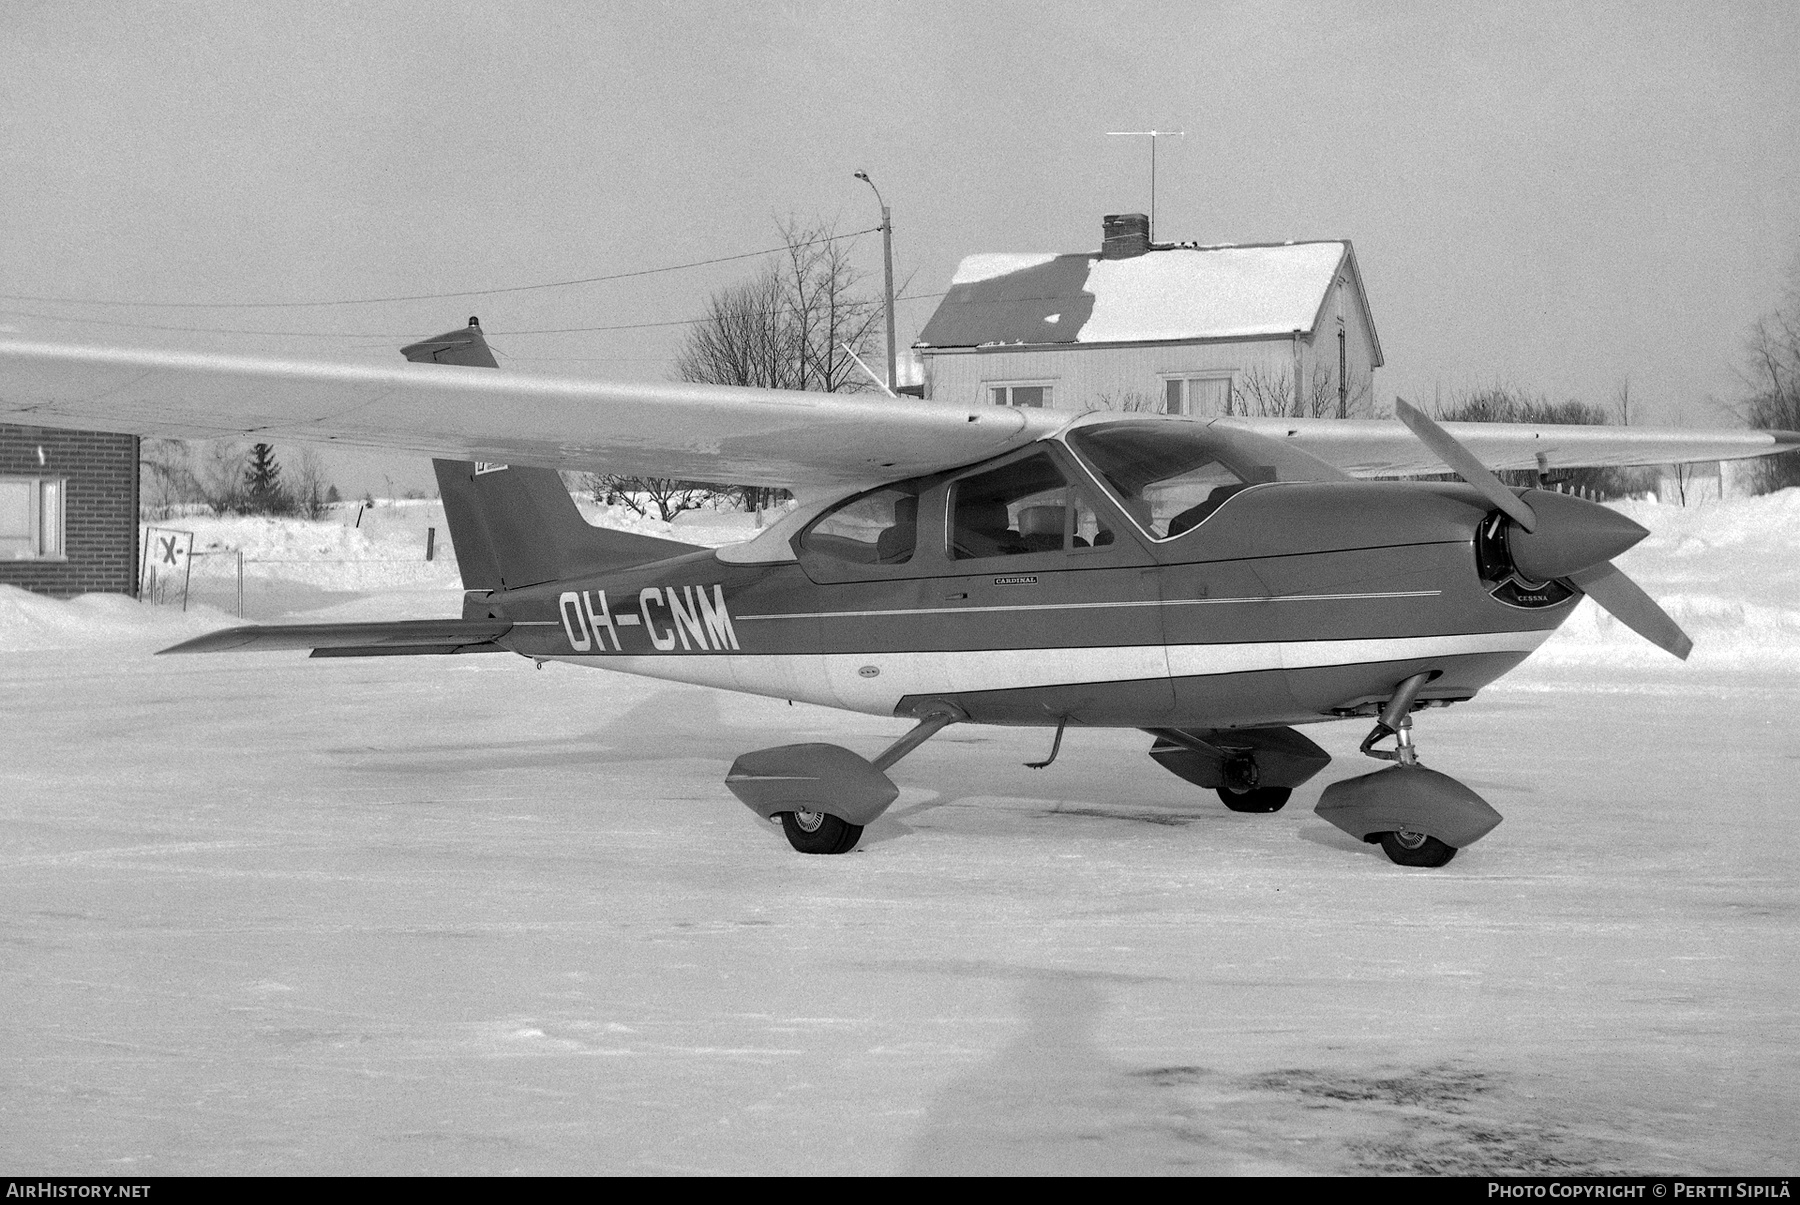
1168, 602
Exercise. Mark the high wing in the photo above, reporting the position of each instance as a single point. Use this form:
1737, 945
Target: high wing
1377, 448
690, 431
693, 432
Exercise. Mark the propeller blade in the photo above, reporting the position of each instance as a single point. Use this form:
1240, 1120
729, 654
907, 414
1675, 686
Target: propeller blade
1628, 603
1463, 463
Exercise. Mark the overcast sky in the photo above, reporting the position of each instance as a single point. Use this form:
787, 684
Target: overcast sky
1553, 196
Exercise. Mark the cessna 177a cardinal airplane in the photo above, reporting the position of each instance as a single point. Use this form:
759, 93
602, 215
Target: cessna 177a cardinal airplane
1214, 583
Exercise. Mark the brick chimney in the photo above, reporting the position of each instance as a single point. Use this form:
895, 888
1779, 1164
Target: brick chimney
1124, 235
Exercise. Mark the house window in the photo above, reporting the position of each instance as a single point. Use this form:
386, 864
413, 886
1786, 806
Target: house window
1036, 396
1210, 394
31, 518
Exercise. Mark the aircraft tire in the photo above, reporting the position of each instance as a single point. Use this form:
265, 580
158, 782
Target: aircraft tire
1256, 799
1415, 849
820, 832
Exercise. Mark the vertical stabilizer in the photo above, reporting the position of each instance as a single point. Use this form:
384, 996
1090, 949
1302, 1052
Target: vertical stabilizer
465, 346
513, 525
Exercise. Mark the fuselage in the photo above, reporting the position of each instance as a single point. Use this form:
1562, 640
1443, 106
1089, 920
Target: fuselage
1281, 602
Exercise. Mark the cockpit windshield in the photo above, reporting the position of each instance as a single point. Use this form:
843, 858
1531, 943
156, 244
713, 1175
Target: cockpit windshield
1169, 478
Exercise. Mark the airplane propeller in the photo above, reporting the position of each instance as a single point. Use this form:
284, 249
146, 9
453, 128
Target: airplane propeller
1558, 536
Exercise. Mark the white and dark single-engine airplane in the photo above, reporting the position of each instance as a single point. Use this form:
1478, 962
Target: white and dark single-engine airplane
1215, 583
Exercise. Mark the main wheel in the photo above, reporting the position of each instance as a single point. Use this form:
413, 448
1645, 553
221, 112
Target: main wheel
820, 832
1416, 849
1256, 799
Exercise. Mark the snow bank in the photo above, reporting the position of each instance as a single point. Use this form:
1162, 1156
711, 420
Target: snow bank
1729, 574
360, 549
30, 622
354, 548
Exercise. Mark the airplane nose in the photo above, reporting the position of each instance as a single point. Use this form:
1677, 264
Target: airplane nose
1571, 535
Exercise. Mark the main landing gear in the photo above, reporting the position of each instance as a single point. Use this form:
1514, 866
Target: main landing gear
1255, 799
1418, 816
1251, 769
825, 795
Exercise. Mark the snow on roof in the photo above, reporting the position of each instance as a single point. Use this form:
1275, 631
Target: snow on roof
1167, 293
987, 266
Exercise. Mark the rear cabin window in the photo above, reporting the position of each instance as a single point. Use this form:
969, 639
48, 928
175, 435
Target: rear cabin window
878, 528
1023, 507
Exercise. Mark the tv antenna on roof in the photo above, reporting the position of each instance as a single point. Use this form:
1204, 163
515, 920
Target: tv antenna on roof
1152, 135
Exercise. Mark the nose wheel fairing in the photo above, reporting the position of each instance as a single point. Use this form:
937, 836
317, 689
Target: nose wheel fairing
1408, 799
1420, 817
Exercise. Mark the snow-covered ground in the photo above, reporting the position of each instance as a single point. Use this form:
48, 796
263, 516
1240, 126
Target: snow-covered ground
454, 915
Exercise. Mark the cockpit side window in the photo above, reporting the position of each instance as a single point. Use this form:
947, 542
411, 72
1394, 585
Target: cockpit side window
1170, 481
877, 528
1022, 507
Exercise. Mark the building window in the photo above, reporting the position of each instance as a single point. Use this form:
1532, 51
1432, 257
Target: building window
1037, 396
1210, 394
31, 518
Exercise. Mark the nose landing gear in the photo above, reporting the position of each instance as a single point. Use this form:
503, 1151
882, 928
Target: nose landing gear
1419, 816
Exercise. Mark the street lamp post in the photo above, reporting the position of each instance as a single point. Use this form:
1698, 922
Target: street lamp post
887, 259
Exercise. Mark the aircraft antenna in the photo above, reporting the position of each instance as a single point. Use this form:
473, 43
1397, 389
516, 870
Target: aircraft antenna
866, 369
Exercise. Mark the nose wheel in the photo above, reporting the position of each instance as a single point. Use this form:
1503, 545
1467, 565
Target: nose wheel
1419, 817
1407, 848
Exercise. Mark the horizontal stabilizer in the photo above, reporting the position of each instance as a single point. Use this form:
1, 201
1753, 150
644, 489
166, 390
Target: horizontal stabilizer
357, 639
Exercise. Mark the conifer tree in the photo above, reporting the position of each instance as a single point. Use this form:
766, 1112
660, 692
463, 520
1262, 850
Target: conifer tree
263, 491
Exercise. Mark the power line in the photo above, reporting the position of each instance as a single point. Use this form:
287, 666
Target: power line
639, 326
207, 330
227, 330
291, 305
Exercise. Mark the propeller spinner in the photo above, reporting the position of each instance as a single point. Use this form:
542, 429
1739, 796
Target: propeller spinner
1556, 536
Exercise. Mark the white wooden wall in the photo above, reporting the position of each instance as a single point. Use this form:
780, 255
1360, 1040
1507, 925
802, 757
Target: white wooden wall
1088, 377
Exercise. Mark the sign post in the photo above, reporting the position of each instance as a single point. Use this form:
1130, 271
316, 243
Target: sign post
168, 557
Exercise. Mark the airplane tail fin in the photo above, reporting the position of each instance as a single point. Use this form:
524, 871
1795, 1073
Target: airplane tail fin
515, 526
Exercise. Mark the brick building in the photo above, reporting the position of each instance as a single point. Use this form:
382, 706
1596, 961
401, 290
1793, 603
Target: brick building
68, 511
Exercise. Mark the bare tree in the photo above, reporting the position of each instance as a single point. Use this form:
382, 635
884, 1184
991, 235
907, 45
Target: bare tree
745, 338
166, 477
1129, 401
1509, 404
830, 316
1772, 356
668, 496
793, 325
310, 489
219, 477
799, 323
1269, 393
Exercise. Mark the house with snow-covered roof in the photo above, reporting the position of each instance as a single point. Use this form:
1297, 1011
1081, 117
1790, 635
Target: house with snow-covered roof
1180, 328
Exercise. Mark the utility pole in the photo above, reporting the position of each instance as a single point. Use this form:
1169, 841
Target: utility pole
887, 259
1152, 135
